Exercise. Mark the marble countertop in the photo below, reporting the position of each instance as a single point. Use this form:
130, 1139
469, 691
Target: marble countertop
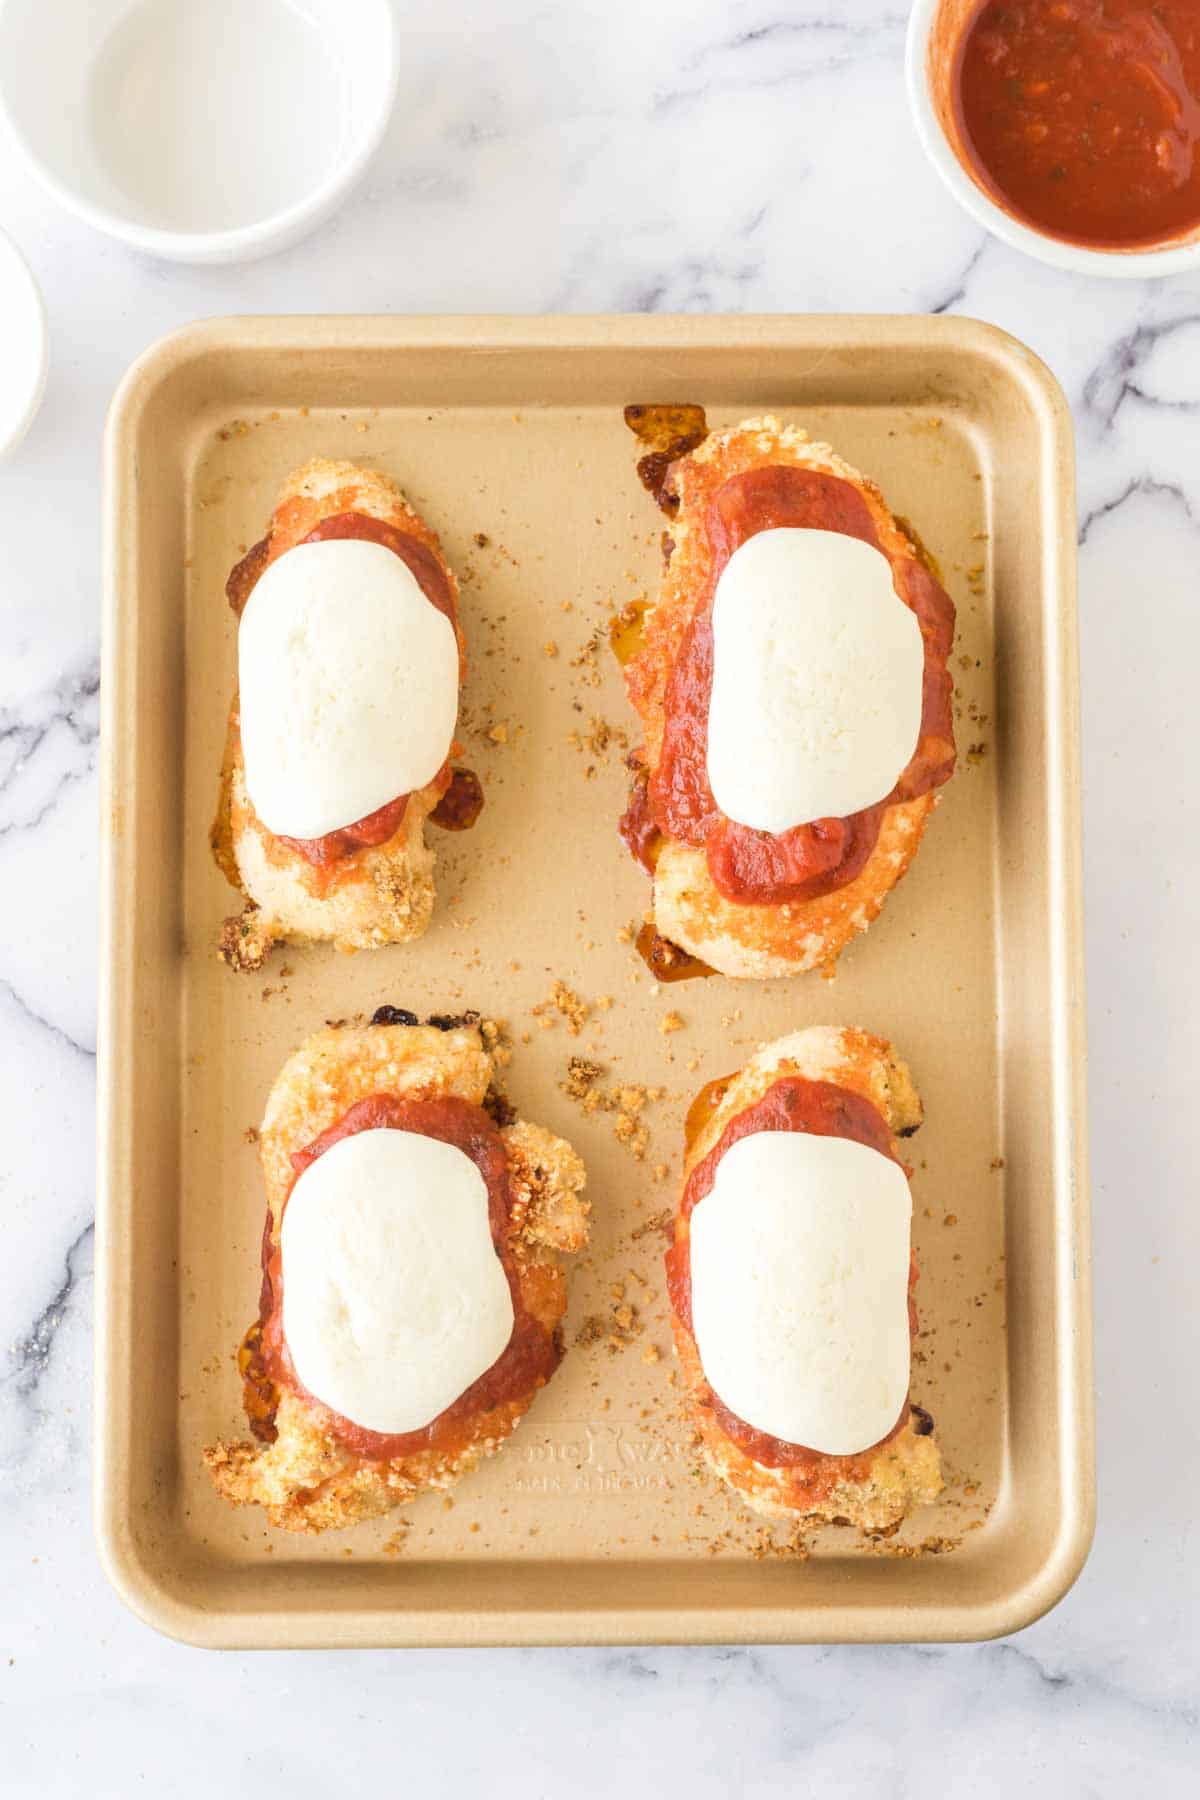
600, 156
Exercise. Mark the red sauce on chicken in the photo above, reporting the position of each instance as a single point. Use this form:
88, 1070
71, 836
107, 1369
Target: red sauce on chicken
426, 568
382, 825
791, 1104
378, 827
822, 855
532, 1353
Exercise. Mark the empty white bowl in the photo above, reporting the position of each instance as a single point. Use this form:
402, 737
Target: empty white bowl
932, 29
199, 130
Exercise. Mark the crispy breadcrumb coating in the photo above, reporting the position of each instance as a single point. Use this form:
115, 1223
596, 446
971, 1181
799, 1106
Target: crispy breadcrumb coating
381, 894
740, 939
878, 1489
307, 1479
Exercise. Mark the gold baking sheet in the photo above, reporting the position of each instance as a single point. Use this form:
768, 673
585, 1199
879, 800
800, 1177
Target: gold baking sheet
594, 1524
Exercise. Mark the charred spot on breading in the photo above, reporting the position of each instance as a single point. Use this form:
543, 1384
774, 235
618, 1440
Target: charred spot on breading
393, 1015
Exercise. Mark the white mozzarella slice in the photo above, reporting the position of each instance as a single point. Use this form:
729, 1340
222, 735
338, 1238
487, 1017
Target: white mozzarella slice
348, 684
818, 667
799, 1263
394, 1300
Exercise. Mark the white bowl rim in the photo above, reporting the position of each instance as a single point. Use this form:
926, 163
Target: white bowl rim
273, 229
1135, 265
18, 426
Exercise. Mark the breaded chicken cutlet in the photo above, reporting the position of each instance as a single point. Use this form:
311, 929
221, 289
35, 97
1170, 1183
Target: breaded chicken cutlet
817, 1084
749, 901
368, 880
383, 1310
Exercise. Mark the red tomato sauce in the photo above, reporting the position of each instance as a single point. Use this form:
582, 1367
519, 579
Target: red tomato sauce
382, 825
377, 828
426, 568
813, 859
791, 1104
532, 1353
1082, 117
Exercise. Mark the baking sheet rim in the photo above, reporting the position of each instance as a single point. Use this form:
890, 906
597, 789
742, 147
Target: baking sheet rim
137, 1586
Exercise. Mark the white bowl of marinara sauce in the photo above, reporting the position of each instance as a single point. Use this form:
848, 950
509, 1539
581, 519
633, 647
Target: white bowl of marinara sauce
937, 30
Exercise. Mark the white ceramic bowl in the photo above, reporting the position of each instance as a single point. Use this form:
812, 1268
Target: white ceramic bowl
24, 346
1130, 264
198, 130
